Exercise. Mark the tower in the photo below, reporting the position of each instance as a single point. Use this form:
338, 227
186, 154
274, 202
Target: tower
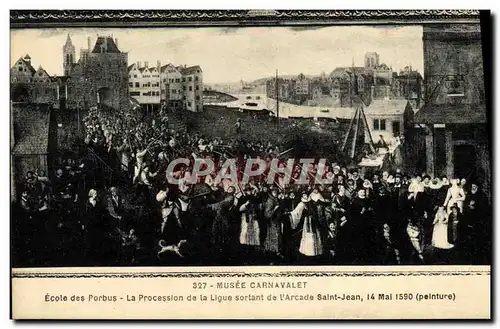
371, 60
68, 56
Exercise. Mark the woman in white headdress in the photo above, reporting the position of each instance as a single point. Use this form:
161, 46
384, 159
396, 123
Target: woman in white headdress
250, 229
440, 232
310, 243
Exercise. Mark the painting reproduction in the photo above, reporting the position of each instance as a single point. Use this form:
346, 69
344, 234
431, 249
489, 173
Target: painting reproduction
164, 145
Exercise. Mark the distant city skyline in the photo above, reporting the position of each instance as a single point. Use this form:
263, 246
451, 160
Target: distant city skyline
229, 55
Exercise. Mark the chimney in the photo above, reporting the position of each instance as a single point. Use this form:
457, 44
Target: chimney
138, 64
88, 44
146, 64
158, 64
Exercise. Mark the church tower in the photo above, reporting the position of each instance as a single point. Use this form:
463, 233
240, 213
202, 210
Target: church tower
68, 56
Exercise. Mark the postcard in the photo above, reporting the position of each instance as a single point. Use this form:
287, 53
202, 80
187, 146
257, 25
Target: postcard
250, 164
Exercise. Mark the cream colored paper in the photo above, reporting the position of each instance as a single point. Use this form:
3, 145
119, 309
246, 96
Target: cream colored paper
469, 288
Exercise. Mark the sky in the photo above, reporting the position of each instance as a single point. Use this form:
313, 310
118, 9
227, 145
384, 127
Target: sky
233, 54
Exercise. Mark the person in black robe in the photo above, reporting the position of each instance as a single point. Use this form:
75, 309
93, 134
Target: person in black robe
362, 215
382, 207
100, 236
399, 212
477, 230
222, 236
272, 229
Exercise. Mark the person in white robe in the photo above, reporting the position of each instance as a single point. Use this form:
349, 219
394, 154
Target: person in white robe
440, 232
310, 243
455, 195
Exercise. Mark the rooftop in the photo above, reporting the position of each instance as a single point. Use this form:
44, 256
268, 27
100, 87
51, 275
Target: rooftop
191, 69
387, 106
105, 45
452, 114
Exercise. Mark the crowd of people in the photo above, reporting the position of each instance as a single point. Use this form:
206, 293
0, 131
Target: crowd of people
79, 217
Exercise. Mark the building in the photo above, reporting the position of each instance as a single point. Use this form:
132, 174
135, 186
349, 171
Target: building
408, 84
451, 130
69, 58
22, 71
192, 88
386, 118
32, 86
171, 86
176, 86
144, 85
351, 82
382, 73
372, 60
99, 77
302, 87
32, 142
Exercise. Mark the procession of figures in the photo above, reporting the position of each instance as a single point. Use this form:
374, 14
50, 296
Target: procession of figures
81, 215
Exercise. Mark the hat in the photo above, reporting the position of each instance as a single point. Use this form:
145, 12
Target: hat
367, 184
315, 196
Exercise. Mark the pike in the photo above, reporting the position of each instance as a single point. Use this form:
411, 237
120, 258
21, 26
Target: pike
284, 152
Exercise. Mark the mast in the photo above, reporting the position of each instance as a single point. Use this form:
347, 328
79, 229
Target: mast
351, 82
408, 83
277, 99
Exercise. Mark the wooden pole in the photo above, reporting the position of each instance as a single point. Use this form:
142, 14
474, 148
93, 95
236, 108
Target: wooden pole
344, 144
368, 129
353, 149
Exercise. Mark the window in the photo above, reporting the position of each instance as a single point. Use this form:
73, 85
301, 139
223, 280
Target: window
131, 84
189, 104
137, 85
135, 75
20, 68
455, 85
184, 88
190, 88
396, 131
378, 124
195, 78
197, 98
177, 80
183, 79
190, 79
135, 93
